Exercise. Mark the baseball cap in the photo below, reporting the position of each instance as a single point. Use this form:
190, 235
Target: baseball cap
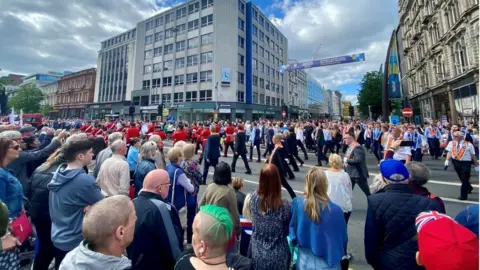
393, 170
443, 244
27, 129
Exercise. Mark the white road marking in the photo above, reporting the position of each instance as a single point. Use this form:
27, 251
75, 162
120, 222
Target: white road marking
373, 175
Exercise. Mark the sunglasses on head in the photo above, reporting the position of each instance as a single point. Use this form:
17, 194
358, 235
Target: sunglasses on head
16, 147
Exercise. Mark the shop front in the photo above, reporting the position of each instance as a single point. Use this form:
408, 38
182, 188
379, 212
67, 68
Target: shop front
100, 111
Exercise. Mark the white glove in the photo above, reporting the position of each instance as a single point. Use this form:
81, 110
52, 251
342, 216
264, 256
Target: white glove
476, 169
447, 162
345, 160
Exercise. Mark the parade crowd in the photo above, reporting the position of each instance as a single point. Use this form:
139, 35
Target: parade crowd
112, 195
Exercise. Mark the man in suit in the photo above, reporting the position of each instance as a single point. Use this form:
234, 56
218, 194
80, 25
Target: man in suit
269, 136
240, 149
278, 159
355, 164
211, 152
255, 141
320, 144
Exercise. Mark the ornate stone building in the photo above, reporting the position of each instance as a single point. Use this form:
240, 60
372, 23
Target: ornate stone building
438, 43
75, 92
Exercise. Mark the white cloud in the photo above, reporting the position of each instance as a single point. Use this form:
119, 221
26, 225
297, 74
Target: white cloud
341, 27
351, 98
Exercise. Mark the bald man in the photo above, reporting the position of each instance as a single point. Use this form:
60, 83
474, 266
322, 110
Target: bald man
158, 238
107, 229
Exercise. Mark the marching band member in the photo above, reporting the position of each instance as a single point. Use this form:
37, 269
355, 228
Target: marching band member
433, 135
462, 154
230, 137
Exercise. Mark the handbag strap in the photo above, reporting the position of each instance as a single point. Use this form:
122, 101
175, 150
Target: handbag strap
173, 185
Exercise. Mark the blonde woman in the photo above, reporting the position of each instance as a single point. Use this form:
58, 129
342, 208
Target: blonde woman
339, 185
318, 226
192, 171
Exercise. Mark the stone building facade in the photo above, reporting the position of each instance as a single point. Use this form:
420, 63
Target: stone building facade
439, 50
75, 92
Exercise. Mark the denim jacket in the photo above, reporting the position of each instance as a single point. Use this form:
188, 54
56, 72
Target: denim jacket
11, 192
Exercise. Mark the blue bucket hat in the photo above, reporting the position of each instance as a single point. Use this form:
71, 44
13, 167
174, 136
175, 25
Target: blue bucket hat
393, 170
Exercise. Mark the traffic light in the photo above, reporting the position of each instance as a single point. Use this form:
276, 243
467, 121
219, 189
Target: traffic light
131, 110
160, 109
351, 111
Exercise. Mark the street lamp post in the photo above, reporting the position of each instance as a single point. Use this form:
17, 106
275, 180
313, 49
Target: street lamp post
217, 110
370, 111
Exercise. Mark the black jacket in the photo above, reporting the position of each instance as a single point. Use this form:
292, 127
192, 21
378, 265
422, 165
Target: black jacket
150, 245
240, 146
19, 166
292, 144
39, 192
356, 164
390, 232
240, 201
278, 159
212, 147
320, 137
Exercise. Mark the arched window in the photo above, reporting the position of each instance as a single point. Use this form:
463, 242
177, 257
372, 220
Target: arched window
460, 57
436, 70
475, 42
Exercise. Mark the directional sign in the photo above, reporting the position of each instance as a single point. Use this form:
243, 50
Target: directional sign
325, 62
407, 112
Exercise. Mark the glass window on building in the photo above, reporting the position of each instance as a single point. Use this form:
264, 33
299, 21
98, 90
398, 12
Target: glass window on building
178, 97
148, 54
241, 60
166, 98
207, 39
147, 69
157, 51
207, 20
181, 12
205, 95
192, 25
167, 65
255, 80
148, 39
169, 17
144, 100
158, 36
267, 100
192, 8
146, 84
241, 42
168, 49
191, 96
192, 60
241, 6
167, 81
192, 78
150, 25
154, 99
180, 46
262, 83
240, 96
181, 29
193, 43
157, 82
241, 78
159, 21
206, 57
179, 79
157, 67
136, 101
241, 24
180, 62
206, 76
207, 3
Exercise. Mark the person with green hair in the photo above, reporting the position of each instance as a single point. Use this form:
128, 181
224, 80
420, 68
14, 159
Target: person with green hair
212, 230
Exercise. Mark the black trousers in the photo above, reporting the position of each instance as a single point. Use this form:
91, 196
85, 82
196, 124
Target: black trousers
344, 148
197, 147
320, 155
287, 186
257, 145
328, 147
59, 256
228, 144
417, 154
291, 158
45, 253
462, 168
362, 182
434, 147
377, 150
299, 143
212, 162
244, 158
268, 149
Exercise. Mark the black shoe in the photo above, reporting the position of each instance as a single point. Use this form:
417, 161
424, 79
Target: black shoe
462, 198
297, 170
233, 169
301, 164
319, 165
344, 263
258, 161
248, 172
306, 158
470, 189
291, 177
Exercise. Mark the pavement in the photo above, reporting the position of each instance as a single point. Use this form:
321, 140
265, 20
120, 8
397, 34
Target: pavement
444, 184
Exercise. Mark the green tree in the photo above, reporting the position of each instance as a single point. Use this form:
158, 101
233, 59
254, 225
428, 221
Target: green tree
370, 93
27, 97
46, 109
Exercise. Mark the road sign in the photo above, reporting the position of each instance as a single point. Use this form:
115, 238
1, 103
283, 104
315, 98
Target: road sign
284, 113
394, 120
407, 112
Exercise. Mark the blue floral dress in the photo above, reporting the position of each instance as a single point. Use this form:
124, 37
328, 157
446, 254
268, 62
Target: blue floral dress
269, 247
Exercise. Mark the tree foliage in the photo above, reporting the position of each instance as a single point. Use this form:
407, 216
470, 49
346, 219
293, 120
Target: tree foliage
27, 97
46, 109
370, 93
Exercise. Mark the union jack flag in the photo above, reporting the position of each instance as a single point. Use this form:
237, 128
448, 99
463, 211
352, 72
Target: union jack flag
425, 217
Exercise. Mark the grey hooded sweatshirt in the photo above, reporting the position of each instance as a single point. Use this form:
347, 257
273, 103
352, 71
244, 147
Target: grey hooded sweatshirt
83, 258
70, 192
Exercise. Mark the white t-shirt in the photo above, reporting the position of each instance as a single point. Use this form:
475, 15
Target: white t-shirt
461, 146
402, 153
340, 189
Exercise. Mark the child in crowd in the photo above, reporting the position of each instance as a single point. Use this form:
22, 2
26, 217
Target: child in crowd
237, 184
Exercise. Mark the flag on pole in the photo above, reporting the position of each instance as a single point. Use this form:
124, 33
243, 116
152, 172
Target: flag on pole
20, 123
11, 117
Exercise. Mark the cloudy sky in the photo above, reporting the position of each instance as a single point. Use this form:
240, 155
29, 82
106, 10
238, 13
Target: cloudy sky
56, 35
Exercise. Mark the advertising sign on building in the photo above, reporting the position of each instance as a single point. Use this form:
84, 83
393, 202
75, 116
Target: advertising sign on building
393, 72
226, 76
325, 62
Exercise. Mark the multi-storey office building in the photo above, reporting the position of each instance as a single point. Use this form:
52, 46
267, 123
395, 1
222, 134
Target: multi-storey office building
297, 93
315, 99
114, 79
194, 58
439, 48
